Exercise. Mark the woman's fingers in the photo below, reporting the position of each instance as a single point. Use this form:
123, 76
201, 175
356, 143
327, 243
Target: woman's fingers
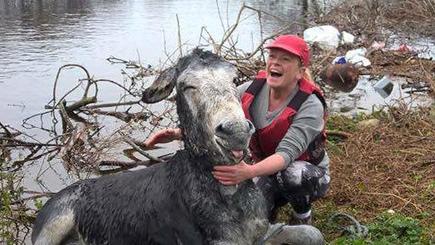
224, 168
226, 180
162, 136
223, 174
232, 175
154, 139
150, 142
227, 176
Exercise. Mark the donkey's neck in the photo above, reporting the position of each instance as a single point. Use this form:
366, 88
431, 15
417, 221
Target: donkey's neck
228, 190
205, 158
203, 165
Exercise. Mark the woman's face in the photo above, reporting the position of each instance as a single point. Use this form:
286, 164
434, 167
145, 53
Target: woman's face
283, 69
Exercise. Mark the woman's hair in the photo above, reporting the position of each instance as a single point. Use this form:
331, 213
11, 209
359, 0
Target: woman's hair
307, 74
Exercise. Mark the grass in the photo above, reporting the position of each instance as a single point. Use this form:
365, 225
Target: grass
389, 229
15, 221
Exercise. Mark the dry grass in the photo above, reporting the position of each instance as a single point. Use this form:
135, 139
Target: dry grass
411, 15
367, 17
389, 166
401, 64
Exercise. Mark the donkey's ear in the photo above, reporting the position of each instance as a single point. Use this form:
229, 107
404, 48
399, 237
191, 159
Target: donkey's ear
161, 87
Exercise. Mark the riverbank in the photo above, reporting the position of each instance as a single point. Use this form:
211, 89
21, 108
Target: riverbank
382, 168
382, 161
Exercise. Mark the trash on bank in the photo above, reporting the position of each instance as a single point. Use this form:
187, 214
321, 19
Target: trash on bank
339, 60
347, 38
384, 87
327, 37
357, 57
356, 52
342, 77
365, 98
404, 48
424, 47
377, 45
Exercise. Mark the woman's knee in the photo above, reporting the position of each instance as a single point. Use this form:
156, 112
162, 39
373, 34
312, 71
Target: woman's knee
300, 171
303, 178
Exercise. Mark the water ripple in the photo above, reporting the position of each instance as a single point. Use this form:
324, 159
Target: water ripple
37, 37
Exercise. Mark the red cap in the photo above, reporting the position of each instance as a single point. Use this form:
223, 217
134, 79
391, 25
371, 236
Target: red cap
294, 45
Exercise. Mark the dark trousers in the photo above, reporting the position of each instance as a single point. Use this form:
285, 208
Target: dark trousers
300, 184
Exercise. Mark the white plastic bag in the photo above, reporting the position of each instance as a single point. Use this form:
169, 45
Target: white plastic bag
356, 57
328, 37
347, 38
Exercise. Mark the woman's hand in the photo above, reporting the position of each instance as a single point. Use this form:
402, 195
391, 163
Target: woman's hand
233, 175
164, 136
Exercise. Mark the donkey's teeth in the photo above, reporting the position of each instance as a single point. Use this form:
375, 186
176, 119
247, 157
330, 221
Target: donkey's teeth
237, 154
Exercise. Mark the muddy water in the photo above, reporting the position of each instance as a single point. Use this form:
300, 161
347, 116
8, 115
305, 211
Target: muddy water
37, 37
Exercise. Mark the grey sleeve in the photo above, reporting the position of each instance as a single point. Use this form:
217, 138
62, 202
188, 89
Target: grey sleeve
306, 125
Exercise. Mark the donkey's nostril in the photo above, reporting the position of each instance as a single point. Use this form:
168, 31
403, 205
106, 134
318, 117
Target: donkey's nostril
222, 129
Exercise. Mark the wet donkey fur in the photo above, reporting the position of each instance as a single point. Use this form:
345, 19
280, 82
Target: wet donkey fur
177, 202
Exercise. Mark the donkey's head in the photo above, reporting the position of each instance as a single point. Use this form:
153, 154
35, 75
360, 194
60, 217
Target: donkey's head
208, 106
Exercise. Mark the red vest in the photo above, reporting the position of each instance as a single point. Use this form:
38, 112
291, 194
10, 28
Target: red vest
265, 140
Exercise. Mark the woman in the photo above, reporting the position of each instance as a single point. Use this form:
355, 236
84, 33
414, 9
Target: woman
288, 112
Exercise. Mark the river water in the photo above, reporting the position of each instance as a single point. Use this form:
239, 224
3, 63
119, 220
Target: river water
39, 36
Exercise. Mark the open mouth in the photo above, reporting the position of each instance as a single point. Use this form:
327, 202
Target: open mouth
274, 73
236, 154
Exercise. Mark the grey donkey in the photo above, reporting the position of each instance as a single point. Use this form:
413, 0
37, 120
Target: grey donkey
179, 201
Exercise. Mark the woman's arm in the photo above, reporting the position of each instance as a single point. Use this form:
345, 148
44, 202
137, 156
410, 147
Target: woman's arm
233, 175
306, 125
164, 136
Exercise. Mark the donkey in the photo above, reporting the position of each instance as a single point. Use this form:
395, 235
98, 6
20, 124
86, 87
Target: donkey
179, 201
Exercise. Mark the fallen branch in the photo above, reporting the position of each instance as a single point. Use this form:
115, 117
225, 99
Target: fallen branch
124, 164
133, 164
124, 116
338, 133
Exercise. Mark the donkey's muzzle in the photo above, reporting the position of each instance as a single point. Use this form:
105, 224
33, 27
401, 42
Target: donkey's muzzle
235, 133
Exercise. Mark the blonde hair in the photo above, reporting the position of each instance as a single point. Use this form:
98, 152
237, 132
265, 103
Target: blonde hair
307, 74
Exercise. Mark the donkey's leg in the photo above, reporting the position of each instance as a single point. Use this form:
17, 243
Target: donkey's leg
56, 222
57, 228
296, 234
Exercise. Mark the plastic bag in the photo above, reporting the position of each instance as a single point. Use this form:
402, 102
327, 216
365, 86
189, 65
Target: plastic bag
327, 37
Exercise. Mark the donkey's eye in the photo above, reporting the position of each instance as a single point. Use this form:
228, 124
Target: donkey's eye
187, 87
